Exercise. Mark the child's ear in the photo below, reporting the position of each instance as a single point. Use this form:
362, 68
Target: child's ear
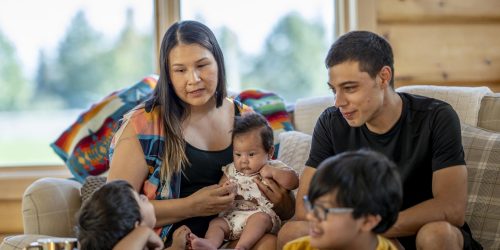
370, 221
270, 153
137, 223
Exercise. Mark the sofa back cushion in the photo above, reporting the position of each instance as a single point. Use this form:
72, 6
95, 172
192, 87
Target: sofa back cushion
482, 155
489, 113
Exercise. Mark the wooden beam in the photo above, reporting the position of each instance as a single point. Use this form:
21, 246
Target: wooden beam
443, 11
445, 54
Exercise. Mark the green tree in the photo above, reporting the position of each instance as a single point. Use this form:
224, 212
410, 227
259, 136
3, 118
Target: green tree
131, 57
291, 63
80, 65
14, 89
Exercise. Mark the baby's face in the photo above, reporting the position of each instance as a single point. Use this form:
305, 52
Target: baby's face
248, 152
147, 210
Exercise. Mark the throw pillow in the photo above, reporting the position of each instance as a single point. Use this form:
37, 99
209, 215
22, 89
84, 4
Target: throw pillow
272, 107
84, 145
482, 155
294, 149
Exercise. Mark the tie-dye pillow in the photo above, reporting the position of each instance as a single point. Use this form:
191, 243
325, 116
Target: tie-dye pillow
272, 107
84, 145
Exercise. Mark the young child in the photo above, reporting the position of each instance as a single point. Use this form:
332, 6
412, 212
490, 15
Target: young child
353, 197
117, 217
252, 215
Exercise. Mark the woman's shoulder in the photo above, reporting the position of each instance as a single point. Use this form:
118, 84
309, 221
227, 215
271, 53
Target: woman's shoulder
145, 121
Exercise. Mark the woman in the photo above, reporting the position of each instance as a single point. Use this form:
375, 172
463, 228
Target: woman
188, 122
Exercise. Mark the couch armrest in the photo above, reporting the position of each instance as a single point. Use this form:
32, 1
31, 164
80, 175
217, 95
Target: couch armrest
49, 207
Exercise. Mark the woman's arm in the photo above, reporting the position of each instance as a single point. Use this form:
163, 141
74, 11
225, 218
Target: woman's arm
128, 164
283, 200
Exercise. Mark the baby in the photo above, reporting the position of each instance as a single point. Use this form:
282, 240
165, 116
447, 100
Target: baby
252, 214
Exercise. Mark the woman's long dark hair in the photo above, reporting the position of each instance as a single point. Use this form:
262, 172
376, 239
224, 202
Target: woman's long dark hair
172, 109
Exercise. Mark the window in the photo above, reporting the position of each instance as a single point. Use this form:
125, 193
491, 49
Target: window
277, 45
58, 57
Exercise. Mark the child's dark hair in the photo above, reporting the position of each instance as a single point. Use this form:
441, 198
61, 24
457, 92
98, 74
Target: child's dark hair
370, 50
250, 121
107, 216
364, 180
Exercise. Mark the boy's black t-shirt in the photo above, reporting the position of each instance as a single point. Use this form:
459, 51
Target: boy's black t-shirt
426, 138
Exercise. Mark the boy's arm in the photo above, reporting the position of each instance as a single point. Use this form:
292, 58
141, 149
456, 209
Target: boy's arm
282, 174
140, 238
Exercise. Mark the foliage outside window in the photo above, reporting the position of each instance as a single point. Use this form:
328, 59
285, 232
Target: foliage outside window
95, 48
277, 46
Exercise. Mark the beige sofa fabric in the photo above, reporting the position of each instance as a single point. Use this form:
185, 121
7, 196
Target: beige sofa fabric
465, 100
482, 155
49, 207
489, 114
307, 111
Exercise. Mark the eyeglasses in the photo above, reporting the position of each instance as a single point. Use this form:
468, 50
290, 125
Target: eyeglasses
320, 212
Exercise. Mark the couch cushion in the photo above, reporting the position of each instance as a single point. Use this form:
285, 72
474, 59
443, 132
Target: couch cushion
482, 154
307, 111
49, 206
465, 100
489, 113
295, 147
84, 145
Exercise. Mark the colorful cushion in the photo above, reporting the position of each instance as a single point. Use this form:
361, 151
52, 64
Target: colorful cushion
272, 107
482, 155
84, 145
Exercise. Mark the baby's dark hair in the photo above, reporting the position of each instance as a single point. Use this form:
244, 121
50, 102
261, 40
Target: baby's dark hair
107, 216
250, 121
364, 180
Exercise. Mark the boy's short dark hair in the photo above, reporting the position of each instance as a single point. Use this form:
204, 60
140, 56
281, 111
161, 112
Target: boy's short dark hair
364, 180
370, 50
250, 121
107, 216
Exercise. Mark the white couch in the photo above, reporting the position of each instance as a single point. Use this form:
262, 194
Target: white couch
50, 204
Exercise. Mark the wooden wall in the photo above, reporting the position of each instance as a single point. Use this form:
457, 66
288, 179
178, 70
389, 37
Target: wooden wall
443, 42
13, 183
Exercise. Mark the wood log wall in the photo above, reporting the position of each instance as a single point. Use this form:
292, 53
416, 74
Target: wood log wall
443, 42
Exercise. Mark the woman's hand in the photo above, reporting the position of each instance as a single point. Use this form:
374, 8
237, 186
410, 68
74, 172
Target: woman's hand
283, 200
212, 199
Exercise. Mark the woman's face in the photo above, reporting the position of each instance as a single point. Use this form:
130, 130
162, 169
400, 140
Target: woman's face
194, 73
147, 210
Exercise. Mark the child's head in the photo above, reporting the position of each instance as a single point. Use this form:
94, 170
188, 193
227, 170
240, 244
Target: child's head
364, 190
112, 211
252, 143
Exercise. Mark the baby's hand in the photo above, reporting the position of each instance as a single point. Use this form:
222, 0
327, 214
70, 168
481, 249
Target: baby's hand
266, 172
233, 184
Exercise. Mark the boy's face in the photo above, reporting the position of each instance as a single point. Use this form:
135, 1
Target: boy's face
248, 152
358, 96
337, 231
147, 210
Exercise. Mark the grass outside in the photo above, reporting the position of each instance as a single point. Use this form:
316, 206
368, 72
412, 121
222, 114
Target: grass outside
26, 151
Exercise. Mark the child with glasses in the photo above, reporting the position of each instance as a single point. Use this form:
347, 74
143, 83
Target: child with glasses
353, 198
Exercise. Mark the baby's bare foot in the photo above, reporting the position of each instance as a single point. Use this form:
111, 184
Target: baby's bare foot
200, 243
